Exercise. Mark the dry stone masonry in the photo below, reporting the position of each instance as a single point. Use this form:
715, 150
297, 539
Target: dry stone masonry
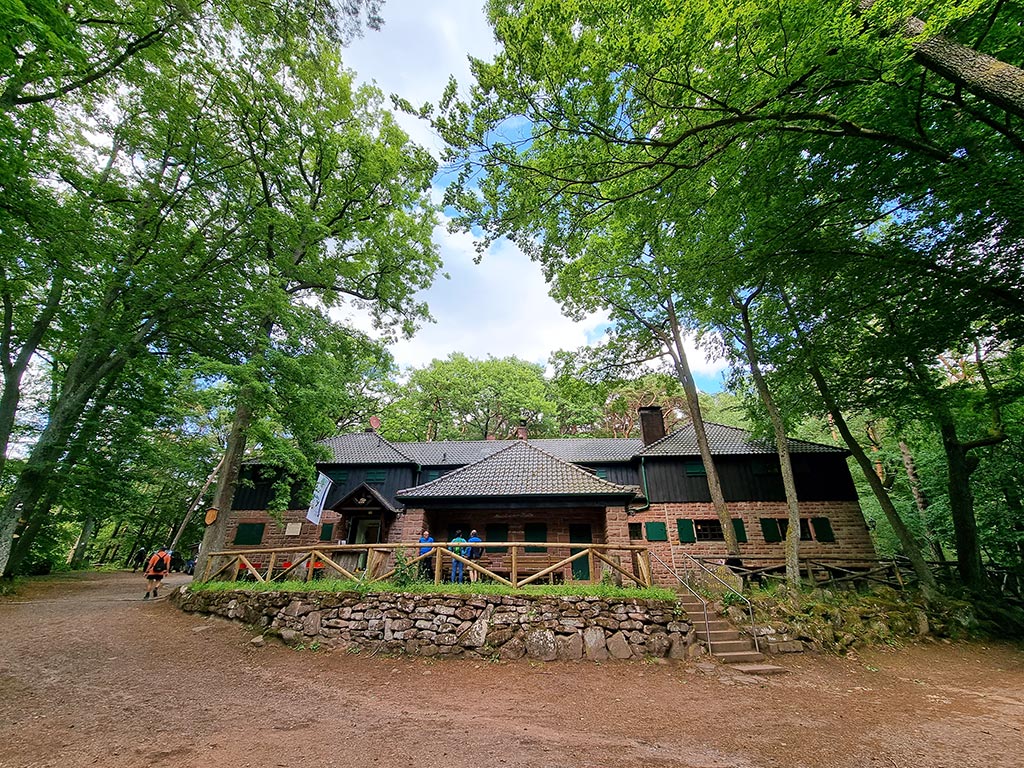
479, 627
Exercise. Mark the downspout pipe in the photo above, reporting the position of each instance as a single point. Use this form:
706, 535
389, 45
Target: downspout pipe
643, 484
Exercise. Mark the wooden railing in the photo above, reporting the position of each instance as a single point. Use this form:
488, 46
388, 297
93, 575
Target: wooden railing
816, 570
505, 562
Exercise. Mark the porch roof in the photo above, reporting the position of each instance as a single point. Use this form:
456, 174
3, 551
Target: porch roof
519, 469
362, 496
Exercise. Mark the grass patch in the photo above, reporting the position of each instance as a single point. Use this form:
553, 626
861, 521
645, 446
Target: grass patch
428, 588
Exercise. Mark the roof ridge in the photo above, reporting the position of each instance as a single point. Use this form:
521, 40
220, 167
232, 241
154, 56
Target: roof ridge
447, 477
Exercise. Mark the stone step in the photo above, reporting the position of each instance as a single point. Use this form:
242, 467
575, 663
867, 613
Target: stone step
713, 625
759, 669
719, 634
719, 647
732, 657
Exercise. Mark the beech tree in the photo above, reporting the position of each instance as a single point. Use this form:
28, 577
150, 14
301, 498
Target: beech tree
157, 242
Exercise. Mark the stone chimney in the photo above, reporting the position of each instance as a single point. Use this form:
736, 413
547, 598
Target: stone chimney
652, 424
521, 431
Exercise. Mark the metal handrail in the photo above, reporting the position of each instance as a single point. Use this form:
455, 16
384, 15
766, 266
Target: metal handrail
728, 586
703, 602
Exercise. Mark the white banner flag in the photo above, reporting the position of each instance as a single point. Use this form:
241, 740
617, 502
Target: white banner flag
316, 506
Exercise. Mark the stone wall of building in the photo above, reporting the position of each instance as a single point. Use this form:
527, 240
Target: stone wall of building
478, 626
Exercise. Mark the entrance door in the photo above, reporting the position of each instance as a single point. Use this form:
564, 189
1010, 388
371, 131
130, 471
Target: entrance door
580, 533
367, 532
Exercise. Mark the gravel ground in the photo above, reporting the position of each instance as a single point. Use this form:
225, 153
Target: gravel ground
90, 674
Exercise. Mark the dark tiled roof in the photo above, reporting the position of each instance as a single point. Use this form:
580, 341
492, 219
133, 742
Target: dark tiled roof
726, 441
575, 449
518, 469
364, 448
591, 450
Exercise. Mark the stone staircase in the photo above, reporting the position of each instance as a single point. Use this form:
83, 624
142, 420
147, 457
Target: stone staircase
727, 643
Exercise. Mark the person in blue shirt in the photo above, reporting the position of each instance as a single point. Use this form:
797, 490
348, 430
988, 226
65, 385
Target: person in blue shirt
474, 553
426, 538
458, 569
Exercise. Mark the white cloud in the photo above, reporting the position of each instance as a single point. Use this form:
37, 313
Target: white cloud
420, 46
499, 307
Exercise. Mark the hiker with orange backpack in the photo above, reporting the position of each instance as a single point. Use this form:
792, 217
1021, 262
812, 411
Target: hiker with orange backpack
157, 567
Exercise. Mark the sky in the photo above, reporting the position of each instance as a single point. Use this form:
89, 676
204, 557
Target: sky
499, 307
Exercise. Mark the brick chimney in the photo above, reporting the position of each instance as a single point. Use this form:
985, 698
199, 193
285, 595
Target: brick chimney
652, 424
521, 431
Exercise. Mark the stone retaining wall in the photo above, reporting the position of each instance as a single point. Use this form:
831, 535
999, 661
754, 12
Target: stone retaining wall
478, 626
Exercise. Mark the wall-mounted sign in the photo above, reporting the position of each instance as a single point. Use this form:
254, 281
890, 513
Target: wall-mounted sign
211, 515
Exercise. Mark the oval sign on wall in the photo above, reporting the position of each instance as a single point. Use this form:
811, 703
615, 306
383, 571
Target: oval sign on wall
211, 515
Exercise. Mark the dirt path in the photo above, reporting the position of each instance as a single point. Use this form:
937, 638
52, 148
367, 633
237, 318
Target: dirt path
92, 675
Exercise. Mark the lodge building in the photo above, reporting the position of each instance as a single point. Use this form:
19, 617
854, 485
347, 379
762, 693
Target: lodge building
649, 491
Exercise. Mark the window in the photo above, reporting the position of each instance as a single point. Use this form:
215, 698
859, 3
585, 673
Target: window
704, 529
656, 531
496, 532
535, 532
431, 474
708, 530
327, 532
636, 531
338, 476
602, 473
823, 530
774, 529
694, 468
375, 476
249, 534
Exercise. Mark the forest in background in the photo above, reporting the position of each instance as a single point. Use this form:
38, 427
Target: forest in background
827, 194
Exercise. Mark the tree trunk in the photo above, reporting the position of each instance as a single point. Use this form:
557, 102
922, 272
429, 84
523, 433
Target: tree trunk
682, 368
78, 554
920, 500
34, 516
961, 505
195, 503
907, 542
988, 78
781, 447
215, 535
110, 551
959, 467
14, 370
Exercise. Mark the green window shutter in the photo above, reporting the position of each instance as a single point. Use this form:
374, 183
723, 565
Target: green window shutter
338, 476
770, 529
823, 529
656, 531
602, 473
326, 531
248, 534
741, 530
535, 532
694, 468
686, 533
496, 532
375, 476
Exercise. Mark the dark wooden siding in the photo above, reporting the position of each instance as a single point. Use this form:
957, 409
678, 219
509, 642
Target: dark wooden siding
620, 474
255, 489
396, 477
819, 477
